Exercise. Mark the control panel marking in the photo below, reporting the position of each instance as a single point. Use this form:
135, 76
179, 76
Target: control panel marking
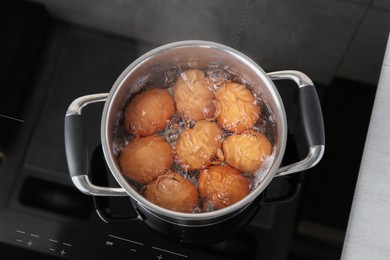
35, 238
167, 251
127, 240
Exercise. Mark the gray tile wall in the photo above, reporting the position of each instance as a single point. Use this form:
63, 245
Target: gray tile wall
322, 38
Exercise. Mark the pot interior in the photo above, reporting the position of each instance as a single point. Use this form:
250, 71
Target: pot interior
160, 67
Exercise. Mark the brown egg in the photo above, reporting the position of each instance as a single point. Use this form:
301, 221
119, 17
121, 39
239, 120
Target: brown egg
172, 191
193, 95
221, 186
149, 112
145, 158
200, 146
246, 151
237, 110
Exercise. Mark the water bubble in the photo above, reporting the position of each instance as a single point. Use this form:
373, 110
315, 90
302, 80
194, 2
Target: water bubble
184, 167
197, 209
226, 125
217, 76
170, 76
172, 136
208, 206
224, 197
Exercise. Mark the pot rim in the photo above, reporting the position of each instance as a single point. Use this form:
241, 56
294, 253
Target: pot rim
174, 215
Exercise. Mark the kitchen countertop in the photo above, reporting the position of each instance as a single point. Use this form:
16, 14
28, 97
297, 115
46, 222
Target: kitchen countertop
368, 232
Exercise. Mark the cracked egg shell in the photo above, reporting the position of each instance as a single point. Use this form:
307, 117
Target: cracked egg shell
148, 112
237, 109
221, 186
193, 95
172, 191
145, 158
246, 152
200, 146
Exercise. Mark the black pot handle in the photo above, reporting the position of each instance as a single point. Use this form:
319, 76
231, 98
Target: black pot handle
294, 182
311, 116
76, 149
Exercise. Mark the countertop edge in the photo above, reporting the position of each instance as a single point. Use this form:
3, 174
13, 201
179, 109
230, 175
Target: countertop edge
368, 231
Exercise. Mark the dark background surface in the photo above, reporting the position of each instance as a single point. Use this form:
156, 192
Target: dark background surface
49, 57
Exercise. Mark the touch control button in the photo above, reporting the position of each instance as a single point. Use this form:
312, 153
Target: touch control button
35, 240
161, 252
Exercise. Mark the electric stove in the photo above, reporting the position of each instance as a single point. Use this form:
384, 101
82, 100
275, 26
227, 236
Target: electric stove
45, 65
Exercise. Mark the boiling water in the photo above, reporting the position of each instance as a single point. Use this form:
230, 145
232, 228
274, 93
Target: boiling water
217, 76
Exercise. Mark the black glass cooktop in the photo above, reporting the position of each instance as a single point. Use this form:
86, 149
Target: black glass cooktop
47, 64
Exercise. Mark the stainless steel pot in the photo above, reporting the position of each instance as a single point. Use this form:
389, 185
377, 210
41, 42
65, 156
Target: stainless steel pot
191, 54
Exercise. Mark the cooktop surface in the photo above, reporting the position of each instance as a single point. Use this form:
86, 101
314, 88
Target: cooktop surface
47, 64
